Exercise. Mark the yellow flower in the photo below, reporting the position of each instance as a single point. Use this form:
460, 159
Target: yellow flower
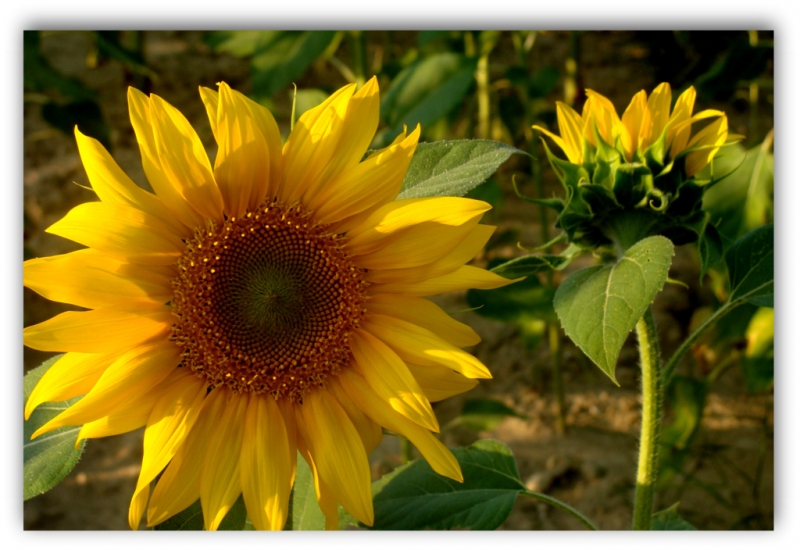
642, 124
270, 304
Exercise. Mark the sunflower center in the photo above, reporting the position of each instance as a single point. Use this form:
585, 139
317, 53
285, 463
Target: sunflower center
267, 302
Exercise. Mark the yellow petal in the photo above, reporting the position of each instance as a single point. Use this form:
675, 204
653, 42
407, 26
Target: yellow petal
360, 123
425, 314
211, 102
219, 478
556, 139
368, 185
605, 116
710, 139
136, 509
391, 220
438, 456
289, 418
637, 122
371, 433
466, 250
418, 345
338, 452
570, 125
325, 498
170, 421
72, 375
100, 330
389, 377
120, 231
179, 485
130, 377
88, 278
312, 144
439, 383
139, 108
242, 165
184, 160
461, 279
112, 184
124, 417
265, 464
659, 104
266, 124
678, 135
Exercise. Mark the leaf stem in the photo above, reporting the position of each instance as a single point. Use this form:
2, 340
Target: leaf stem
671, 365
563, 506
651, 422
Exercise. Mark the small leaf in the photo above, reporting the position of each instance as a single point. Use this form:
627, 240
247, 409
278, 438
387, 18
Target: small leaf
669, 520
484, 414
415, 497
191, 519
304, 511
452, 168
535, 263
50, 457
751, 267
426, 91
598, 306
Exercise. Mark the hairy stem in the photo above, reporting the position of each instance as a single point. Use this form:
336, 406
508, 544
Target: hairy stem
651, 422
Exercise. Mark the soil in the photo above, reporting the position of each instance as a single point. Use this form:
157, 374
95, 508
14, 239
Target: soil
728, 475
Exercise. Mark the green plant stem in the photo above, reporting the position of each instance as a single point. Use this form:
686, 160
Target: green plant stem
406, 450
359, 45
647, 471
554, 339
482, 78
563, 506
671, 365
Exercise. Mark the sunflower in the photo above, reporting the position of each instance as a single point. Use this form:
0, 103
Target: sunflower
641, 125
270, 304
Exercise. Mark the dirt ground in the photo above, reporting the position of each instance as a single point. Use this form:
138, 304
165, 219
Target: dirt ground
729, 472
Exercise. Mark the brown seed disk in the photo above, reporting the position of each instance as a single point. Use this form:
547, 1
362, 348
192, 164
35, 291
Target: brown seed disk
267, 302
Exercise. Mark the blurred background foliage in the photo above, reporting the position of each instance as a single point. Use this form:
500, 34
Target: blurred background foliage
476, 85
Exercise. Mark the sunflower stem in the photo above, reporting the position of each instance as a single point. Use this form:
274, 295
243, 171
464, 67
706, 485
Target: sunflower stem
651, 422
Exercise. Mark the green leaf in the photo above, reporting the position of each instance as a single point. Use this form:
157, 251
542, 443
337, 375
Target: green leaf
686, 398
742, 201
484, 414
414, 497
453, 168
50, 457
535, 263
191, 519
426, 91
759, 358
286, 58
751, 267
598, 306
711, 249
304, 511
669, 520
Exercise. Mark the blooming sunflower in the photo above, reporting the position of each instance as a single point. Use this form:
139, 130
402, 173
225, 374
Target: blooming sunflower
642, 124
270, 304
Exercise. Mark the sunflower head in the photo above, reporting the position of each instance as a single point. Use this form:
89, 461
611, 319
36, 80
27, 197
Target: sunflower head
633, 176
270, 304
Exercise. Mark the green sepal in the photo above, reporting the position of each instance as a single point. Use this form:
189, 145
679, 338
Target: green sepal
632, 184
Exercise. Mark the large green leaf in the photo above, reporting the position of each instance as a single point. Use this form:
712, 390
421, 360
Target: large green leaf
453, 168
426, 91
669, 520
751, 267
415, 497
285, 58
50, 457
598, 306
